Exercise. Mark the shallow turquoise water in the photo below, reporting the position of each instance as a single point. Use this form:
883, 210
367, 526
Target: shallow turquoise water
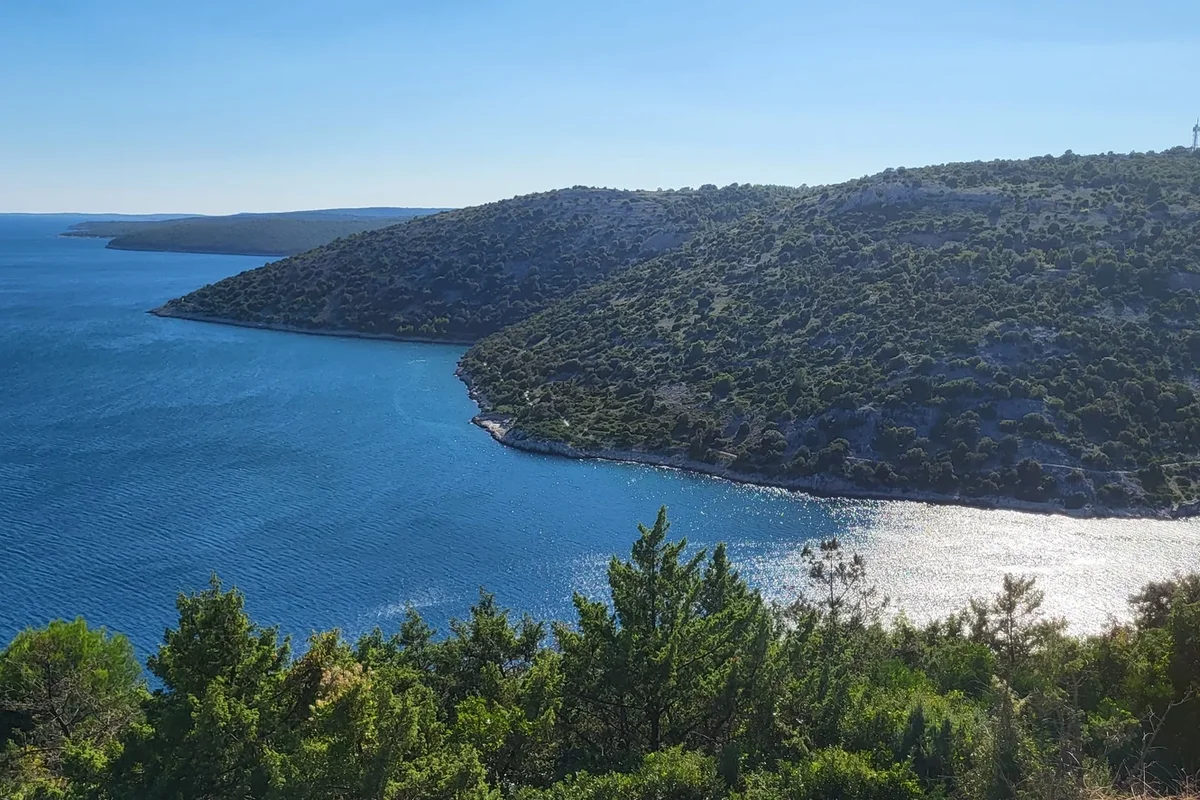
335, 480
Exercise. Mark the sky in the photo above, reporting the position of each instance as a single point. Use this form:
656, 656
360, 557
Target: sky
248, 105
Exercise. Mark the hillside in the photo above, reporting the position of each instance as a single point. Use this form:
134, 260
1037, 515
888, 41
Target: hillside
1014, 332
463, 274
244, 234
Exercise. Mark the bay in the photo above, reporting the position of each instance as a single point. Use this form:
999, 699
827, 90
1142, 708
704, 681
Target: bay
337, 480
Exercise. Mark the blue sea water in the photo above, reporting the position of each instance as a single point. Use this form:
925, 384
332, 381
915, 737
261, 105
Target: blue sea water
336, 480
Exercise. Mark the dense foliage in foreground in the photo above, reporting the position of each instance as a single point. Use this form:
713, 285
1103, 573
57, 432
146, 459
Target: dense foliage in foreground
464, 274
1006, 329
685, 684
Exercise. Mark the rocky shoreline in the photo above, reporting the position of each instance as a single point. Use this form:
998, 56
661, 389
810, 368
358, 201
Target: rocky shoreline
501, 429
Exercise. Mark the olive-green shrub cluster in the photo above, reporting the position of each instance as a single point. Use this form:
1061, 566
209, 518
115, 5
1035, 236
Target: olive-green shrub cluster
1022, 330
463, 274
682, 684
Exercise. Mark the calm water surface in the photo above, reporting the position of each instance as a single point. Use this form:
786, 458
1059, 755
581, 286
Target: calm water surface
336, 480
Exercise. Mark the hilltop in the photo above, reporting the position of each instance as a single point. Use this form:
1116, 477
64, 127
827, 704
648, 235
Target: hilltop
1021, 333
278, 234
464, 274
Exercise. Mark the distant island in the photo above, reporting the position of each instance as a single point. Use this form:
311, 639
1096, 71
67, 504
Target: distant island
1007, 333
278, 234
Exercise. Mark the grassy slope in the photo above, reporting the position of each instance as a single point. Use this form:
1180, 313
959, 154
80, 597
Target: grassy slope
1022, 330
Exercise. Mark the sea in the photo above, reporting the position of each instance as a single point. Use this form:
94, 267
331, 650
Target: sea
338, 482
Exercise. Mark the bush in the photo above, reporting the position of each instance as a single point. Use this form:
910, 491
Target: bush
834, 774
673, 774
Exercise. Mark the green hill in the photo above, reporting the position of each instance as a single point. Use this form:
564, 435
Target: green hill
244, 234
464, 274
988, 332
1012, 332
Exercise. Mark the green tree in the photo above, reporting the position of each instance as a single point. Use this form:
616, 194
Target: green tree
834, 773
367, 731
824, 648
1012, 623
504, 690
676, 659
67, 693
838, 591
674, 774
212, 728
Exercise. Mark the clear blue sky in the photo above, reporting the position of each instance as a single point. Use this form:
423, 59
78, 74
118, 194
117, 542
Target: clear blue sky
248, 105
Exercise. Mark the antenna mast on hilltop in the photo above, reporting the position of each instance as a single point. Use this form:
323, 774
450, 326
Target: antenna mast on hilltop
1195, 135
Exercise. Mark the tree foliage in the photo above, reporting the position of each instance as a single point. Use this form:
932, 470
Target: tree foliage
682, 683
67, 693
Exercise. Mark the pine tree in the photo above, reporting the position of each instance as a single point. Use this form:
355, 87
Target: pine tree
676, 659
213, 722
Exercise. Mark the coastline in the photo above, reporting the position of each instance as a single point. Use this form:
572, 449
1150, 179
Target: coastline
168, 313
69, 234
500, 428
818, 486
195, 251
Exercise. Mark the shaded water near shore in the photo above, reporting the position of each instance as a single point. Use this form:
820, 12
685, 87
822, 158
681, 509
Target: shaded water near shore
336, 480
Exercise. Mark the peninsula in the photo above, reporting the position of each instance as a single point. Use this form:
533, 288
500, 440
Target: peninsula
279, 234
1010, 333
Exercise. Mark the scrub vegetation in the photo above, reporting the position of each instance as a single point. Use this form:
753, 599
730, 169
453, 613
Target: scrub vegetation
1004, 332
467, 273
681, 683
1012, 330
